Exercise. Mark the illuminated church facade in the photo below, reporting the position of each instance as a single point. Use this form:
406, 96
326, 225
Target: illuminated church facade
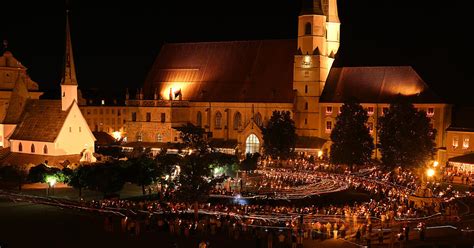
231, 89
33, 130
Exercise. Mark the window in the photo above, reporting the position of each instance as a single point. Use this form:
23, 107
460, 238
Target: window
307, 28
465, 143
113, 111
306, 89
70, 129
199, 119
163, 117
80, 129
370, 125
134, 116
370, 110
328, 126
384, 110
32, 148
252, 144
328, 110
159, 138
258, 119
118, 112
455, 141
305, 121
430, 112
45, 149
237, 120
175, 138
218, 120
20, 147
306, 105
148, 116
139, 137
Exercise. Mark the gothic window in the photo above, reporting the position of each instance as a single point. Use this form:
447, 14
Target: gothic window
306, 89
45, 149
306, 106
32, 148
252, 144
258, 119
307, 28
237, 120
20, 147
218, 120
199, 119
139, 137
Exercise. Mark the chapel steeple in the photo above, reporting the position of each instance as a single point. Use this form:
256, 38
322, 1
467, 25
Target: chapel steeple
69, 80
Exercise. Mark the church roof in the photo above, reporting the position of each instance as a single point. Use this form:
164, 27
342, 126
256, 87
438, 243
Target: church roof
311, 7
14, 158
231, 71
376, 85
7, 60
42, 120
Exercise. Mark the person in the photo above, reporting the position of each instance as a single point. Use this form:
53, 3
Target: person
357, 236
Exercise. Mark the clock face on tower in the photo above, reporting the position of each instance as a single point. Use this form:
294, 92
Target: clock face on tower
306, 62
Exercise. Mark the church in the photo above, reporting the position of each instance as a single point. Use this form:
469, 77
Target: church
231, 89
34, 130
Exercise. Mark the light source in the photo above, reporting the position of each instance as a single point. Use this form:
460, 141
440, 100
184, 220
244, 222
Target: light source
430, 172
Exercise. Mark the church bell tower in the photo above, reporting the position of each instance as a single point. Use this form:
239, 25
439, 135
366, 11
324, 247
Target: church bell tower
69, 80
318, 43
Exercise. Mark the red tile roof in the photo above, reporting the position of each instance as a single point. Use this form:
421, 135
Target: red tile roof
42, 120
376, 85
35, 159
233, 71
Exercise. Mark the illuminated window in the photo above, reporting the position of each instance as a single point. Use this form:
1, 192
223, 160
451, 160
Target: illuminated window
199, 119
32, 148
430, 112
252, 144
306, 89
307, 28
328, 126
465, 143
20, 147
139, 137
102, 102
370, 126
329, 110
148, 116
258, 119
455, 141
159, 138
45, 149
218, 120
163, 117
306, 106
237, 120
370, 110
134, 116
384, 110
306, 62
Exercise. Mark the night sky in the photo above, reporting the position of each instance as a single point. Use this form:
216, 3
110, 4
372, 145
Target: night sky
115, 43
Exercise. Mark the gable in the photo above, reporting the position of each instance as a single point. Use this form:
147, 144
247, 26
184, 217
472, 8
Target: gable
74, 120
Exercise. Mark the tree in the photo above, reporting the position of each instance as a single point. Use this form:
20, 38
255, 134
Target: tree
222, 163
406, 137
107, 178
279, 135
193, 137
142, 171
250, 162
14, 174
166, 164
79, 178
352, 143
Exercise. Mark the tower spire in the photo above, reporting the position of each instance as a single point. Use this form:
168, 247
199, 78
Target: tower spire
69, 77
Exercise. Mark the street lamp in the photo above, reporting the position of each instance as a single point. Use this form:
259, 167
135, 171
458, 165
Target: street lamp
435, 164
51, 180
430, 172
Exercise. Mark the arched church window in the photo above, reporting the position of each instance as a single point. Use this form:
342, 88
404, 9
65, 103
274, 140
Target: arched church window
258, 119
20, 147
45, 149
306, 105
218, 119
32, 148
252, 144
307, 28
199, 119
237, 120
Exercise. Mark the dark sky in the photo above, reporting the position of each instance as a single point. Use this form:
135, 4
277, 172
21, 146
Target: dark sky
115, 43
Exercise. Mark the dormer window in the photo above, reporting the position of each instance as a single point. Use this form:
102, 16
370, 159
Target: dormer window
465, 143
329, 110
430, 112
455, 142
370, 110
